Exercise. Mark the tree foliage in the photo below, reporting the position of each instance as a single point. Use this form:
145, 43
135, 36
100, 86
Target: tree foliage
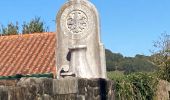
112, 60
139, 63
34, 26
161, 56
10, 29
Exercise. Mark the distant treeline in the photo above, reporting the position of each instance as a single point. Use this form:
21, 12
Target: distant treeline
139, 63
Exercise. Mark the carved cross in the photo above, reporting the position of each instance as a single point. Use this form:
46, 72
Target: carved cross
76, 21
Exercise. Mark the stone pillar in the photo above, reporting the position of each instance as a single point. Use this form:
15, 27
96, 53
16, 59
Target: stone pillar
78, 24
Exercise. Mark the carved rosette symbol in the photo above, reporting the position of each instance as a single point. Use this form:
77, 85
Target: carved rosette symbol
76, 22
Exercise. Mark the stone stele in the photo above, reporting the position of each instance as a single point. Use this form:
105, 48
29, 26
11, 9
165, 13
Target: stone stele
80, 52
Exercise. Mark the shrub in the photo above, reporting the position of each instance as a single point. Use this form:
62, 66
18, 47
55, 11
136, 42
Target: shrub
137, 86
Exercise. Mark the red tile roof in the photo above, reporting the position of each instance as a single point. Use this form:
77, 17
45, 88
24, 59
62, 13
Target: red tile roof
27, 54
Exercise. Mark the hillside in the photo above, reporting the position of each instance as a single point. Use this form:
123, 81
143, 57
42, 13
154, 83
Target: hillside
139, 63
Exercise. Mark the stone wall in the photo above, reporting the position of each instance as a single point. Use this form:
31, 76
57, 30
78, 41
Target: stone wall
163, 90
62, 89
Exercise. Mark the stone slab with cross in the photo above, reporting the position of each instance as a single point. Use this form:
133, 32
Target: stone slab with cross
80, 52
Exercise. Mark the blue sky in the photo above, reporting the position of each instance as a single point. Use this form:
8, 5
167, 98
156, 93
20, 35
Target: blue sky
127, 26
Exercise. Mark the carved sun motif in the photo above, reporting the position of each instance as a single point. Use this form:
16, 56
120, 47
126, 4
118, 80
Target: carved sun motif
77, 21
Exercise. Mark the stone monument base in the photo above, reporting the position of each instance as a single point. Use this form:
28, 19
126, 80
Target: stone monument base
59, 89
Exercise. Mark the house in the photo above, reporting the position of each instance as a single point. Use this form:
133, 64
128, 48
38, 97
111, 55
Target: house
27, 54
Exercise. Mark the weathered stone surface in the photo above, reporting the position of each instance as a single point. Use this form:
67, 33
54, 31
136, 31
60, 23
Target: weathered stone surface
65, 86
48, 86
3, 93
82, 86
34, 85
8, 82
59, 89
96, 91
94, 82
80, 97
163, 90
65, 97
78, 35
16, 93
46, 97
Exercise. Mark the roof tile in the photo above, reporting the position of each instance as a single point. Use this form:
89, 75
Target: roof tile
27, 54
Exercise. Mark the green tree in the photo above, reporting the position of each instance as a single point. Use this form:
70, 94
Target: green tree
34, 26
10, 29
112, 60
136, 64
139, 63
161, 56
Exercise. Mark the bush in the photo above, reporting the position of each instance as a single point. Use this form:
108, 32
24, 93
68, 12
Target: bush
137, 86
